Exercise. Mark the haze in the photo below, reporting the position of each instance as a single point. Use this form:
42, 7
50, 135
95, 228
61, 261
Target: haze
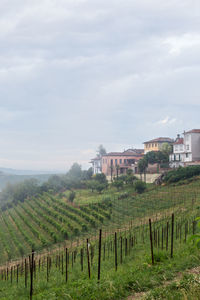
75, 74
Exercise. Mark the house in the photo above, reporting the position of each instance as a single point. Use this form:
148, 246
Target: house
156, 144
96, 165
186, 150
177, 158
117, 163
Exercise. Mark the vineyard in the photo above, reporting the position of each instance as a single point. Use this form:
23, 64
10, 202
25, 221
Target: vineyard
79, 260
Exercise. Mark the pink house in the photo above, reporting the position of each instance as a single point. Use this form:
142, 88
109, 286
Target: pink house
118, 162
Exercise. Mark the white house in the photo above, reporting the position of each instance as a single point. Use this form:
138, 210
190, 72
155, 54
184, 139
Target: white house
96, 165
177, 157
186, 150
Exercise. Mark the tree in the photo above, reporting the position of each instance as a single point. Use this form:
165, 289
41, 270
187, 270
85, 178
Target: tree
111, 172
142, 166
101, 178
118, 183
100, 187
92, 185
75, 171
117, 168
101, 151
72, 196
151, 157
166, 148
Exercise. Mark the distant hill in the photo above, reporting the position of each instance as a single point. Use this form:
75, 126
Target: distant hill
24, 172
13, 178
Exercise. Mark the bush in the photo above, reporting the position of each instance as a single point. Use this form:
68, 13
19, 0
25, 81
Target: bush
72, 196
182, 174
140, 186
123, 196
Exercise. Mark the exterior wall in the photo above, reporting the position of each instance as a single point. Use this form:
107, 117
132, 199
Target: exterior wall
178, 148
187, 153
96, 166
121, 161
192, 146
151, 147
195, 146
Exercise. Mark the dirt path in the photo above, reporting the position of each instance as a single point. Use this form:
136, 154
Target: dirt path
194, 271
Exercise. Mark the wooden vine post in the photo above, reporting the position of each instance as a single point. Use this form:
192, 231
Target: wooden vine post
66, 263
99, 258
151, 241
31, 274
115, 251
172, 236
88, 259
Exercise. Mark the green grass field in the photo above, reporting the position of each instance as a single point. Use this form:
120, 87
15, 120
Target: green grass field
50, 223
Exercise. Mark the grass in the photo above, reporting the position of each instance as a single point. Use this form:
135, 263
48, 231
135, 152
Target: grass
48, 219
136, 274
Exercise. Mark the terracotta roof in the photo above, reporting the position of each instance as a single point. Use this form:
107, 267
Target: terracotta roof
96, 158
129, 152
193, 131
160, 140
179, 141
138, 151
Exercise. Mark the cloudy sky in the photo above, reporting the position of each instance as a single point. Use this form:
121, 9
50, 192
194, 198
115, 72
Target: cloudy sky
78, 73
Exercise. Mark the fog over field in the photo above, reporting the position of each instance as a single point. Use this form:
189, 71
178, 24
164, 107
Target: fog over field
74, 74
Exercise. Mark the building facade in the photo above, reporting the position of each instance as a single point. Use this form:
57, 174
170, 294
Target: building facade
117, 163
96, 165
156, 144
186, 150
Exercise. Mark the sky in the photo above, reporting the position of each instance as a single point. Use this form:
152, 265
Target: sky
75, 74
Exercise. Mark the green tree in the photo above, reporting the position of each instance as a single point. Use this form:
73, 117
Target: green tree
72, 196
117, 169
118, 183
166, 148
101, 178
142, 166
75, 171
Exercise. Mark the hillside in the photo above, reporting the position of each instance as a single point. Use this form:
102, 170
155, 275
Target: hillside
52, 221
6, 178
48, 219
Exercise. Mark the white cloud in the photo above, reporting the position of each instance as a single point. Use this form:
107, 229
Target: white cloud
166, 121
177, 44
78, 73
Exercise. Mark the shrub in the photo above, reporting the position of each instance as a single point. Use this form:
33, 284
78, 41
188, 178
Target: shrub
123, 196
182, 174
72, 196
140, 186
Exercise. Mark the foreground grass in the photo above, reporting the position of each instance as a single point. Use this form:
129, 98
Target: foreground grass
135, 275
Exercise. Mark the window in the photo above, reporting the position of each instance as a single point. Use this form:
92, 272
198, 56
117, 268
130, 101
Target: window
115, 162
187, 155
120, 161
187, 147
125, 161
111, 162
156, 145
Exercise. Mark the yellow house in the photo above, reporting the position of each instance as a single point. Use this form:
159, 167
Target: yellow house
156, 144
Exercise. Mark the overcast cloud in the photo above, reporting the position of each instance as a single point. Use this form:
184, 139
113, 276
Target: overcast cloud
78, 73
